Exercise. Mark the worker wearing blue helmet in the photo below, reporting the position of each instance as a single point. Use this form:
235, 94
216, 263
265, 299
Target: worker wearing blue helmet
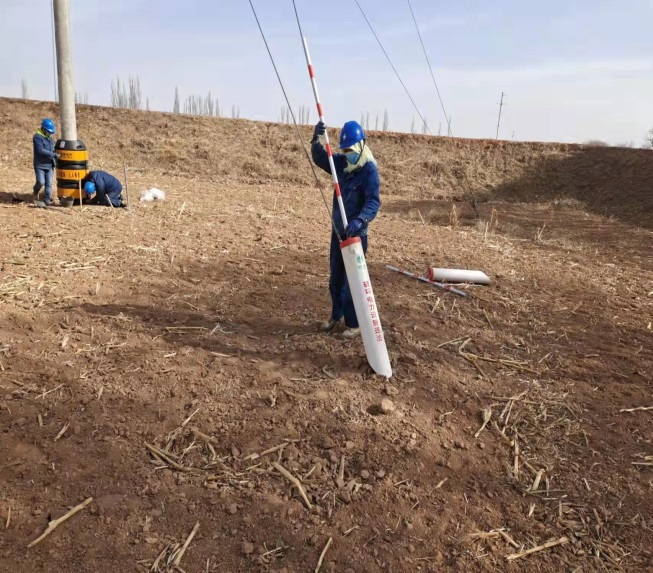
359, 186
103, 188
44, 159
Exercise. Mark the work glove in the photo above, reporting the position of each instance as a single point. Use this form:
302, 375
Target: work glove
354, 227
320, 129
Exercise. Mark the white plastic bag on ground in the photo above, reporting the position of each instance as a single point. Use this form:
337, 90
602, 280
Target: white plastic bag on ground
153, 194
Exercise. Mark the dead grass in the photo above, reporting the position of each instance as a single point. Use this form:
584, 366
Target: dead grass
411, 165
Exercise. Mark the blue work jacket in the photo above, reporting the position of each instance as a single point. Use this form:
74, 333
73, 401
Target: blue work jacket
105, 185
359, 189
44, 155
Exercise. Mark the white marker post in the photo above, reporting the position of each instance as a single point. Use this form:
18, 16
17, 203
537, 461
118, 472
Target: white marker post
358, 276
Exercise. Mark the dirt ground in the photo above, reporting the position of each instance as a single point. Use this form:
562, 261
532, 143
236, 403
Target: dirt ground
165, 362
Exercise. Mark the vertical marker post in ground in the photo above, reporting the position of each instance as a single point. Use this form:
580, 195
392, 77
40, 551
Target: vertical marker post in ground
124, 167
358, 276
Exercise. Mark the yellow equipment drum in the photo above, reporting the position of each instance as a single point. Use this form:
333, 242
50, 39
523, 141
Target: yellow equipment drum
72, 167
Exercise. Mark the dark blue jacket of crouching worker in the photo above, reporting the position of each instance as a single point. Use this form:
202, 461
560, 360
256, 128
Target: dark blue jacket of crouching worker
359, 189
107, 188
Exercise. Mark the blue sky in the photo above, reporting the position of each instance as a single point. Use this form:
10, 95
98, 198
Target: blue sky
572, 70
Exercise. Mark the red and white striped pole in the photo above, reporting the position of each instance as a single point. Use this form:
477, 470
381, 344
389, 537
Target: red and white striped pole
358, 276
320, 113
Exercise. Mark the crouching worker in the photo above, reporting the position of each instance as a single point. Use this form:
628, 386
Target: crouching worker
359, 186
44, 159
104, 189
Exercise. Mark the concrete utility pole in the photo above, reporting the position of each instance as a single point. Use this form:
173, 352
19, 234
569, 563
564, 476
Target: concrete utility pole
500, 108
54, 55
72, 155
65, 69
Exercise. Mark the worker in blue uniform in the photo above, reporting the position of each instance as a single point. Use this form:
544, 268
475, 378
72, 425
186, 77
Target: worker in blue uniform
359, 186
44, 159
103, 188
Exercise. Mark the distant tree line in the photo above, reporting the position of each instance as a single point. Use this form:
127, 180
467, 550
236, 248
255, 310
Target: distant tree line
207, 106
365, 121
129, 95
303, 116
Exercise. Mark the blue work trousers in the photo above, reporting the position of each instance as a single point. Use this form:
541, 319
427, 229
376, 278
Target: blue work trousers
44, 178
342, 303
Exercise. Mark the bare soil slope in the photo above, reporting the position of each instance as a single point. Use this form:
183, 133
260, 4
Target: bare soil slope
165, 361
608, 181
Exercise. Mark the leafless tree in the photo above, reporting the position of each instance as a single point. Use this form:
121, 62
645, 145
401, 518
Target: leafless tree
386, 120
192, 105
127, 95
135, 94
176, 108
649, 139
412, 125
23, 89
304, 115
235, 112
200, 105
285, 115
425, 127
119, 96
81, 98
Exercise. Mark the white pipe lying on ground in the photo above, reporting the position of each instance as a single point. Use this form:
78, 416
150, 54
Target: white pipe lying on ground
459, 276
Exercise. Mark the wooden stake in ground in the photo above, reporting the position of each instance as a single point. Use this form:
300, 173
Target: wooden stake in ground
326, 548
548, 545
292, 479
124, 167
57, 522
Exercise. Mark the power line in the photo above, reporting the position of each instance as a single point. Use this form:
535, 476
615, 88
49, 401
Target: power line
471, 9
393, 67
292, 113
472, 197
435, 83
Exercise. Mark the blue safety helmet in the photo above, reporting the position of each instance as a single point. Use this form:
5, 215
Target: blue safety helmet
89, 188
48, 125
351, 134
